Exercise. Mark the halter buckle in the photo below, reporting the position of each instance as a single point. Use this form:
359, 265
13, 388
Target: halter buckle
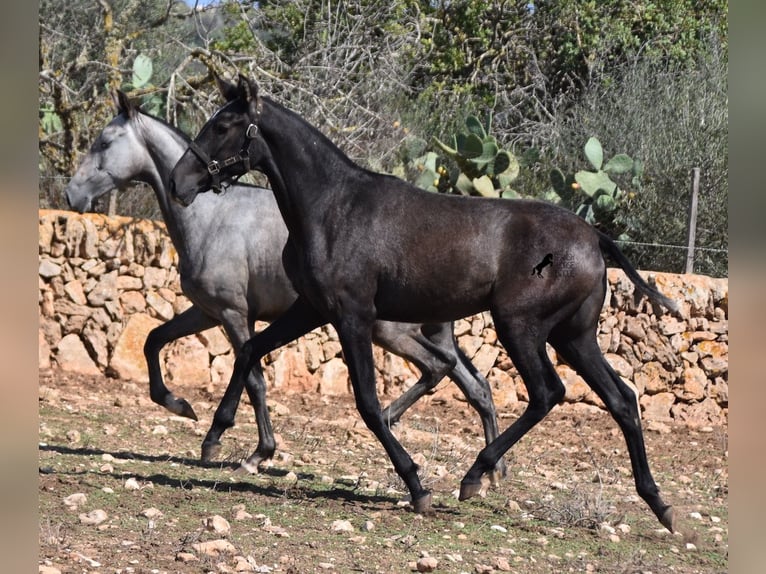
214, 168
251, 131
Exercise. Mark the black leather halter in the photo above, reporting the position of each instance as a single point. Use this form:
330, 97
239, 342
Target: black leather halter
214, 166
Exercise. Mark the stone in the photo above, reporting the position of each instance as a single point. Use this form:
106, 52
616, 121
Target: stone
620, 365
132, 302
43, 352
215, 340
105, 290
154, 278
72, 356
657, 407
214, 547
574, 386
75, 292
652, 378
48, 269
187, 362
334, 378
698, 415
95, 341
503, 389
427, 564
221, 368
162, 307
485, 358
217, 524
93, 518
127, 360
291, 373
694, 385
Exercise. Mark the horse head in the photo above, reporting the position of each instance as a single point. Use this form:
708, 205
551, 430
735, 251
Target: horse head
112, 161
227, 147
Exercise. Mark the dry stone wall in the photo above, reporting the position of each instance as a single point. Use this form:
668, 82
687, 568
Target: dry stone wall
104, 283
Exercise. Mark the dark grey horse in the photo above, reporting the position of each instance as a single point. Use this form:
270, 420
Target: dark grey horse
366, 246
229, 251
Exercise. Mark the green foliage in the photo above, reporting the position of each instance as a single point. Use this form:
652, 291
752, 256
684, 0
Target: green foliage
50, 122
481, 166
592, 194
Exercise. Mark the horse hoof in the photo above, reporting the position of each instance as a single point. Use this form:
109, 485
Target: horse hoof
471, 489
182, 408
668, 519
210, 451
249, 465
422, 505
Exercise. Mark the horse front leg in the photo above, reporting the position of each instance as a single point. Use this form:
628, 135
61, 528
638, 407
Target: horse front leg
356, 340
298, 320
192, 320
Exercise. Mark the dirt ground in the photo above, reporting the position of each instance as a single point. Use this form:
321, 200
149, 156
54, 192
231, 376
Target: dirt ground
121, 490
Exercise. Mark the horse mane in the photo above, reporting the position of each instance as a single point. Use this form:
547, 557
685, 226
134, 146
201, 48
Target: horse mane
326, 141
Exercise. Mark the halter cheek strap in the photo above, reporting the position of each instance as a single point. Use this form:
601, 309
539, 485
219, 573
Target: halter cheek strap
214, 166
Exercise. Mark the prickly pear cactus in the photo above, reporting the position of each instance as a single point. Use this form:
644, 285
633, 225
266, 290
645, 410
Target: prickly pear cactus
482, 166
592, 193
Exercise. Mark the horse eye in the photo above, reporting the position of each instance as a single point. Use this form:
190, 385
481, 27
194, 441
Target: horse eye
104, 144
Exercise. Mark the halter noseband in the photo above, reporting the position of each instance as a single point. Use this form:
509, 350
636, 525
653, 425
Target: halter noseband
214, 166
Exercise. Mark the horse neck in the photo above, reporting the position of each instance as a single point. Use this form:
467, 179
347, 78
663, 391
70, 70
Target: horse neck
165, 147
305, 167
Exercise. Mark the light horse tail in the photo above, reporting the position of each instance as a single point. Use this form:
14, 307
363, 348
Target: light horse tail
610, 247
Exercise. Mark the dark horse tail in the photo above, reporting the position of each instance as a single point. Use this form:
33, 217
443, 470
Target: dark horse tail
610, 247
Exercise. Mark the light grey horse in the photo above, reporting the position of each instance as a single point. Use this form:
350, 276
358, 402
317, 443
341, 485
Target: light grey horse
229, 251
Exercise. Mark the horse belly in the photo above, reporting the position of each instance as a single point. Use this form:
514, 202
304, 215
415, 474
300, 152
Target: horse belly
445, 301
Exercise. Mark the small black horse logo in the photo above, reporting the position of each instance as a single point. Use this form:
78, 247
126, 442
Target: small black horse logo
547, 260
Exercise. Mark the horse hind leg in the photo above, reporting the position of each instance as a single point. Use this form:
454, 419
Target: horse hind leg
583, 354
432, 359
543, 385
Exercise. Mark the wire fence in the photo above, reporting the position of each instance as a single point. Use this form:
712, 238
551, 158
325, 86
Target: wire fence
136, 203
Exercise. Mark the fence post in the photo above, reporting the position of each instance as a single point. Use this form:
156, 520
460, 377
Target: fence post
692, 230
112, 203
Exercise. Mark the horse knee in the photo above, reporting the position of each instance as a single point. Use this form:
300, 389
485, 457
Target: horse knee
153, 343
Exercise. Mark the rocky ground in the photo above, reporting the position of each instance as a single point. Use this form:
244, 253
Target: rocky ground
121, 491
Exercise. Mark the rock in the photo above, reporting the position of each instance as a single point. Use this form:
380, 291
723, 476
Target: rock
43, 569
72, 356
341, 526
93, 518
161, 307
485, 358
657, 407
653, 378
427, 564
75, 500
216, 342
128, 356
217, 524
214, 547
132, 302
187, 362
105, 290
694, 385
132, 484
334, 379
152, 513
43, 352
291, 373
48, 269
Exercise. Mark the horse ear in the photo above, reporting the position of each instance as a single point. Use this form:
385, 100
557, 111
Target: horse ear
248, 90
227, 89
122, 103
